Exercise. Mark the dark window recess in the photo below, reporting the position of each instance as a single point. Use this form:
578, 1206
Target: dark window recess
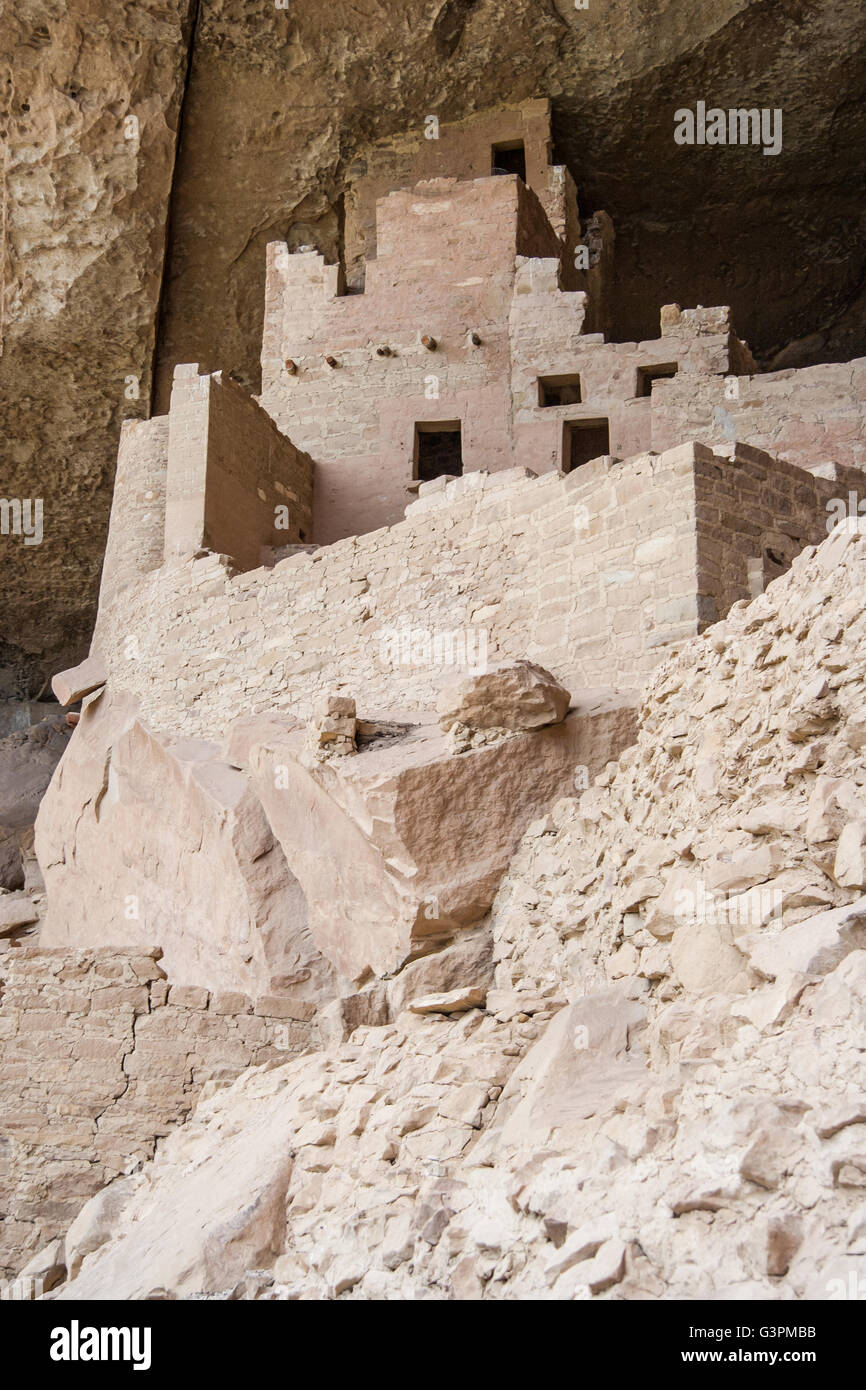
559, 390
510, 159
647, 375
584, 440
438, 450
346, 287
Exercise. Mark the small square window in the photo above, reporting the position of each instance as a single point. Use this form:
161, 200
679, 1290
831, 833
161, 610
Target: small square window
509, 158
647, 375
559, 390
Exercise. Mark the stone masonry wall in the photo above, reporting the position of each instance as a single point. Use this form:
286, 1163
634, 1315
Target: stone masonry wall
527, 567
761, 509
463, 150
594, 574
229, 469
101, 1057
252, 470
809, 416
547, 342
136, 533
445, 271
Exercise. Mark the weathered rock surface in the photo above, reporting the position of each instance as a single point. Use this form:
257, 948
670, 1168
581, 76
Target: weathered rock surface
28, 757
85, 209
47, 1268
148, 842
512, 695
646, 1103
16, 910
404, 845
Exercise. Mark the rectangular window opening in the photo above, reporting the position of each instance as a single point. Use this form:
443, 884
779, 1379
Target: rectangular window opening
582, 441
559, 390
509, 158
647, 375
438, 450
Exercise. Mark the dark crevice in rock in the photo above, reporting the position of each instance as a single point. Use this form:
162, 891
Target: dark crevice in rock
191, 29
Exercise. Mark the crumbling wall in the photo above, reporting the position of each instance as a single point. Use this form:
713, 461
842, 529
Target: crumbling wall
252, 472
101, 1057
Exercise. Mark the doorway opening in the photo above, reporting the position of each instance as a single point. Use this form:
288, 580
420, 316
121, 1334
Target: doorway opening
438, 450
583, 440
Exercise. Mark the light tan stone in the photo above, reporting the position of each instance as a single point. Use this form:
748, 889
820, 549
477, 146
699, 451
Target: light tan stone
144, 840
515, 696
16, 910
849, 867
453, 1001
408, 841
72, 685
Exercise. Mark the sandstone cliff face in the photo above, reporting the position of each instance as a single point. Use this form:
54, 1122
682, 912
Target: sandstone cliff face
85, 201
282, 109
665, 1093
28, 758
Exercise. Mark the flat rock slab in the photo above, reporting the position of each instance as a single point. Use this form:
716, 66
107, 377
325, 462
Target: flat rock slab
78, 681
455, 1001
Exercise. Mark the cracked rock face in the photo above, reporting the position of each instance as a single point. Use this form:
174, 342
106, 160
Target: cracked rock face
280, 110
86, 200
146, 841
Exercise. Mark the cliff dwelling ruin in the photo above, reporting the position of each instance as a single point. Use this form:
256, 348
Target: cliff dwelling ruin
437, 866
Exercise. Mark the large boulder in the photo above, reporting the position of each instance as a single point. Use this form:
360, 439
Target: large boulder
147, 841
512, 695
404, 846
